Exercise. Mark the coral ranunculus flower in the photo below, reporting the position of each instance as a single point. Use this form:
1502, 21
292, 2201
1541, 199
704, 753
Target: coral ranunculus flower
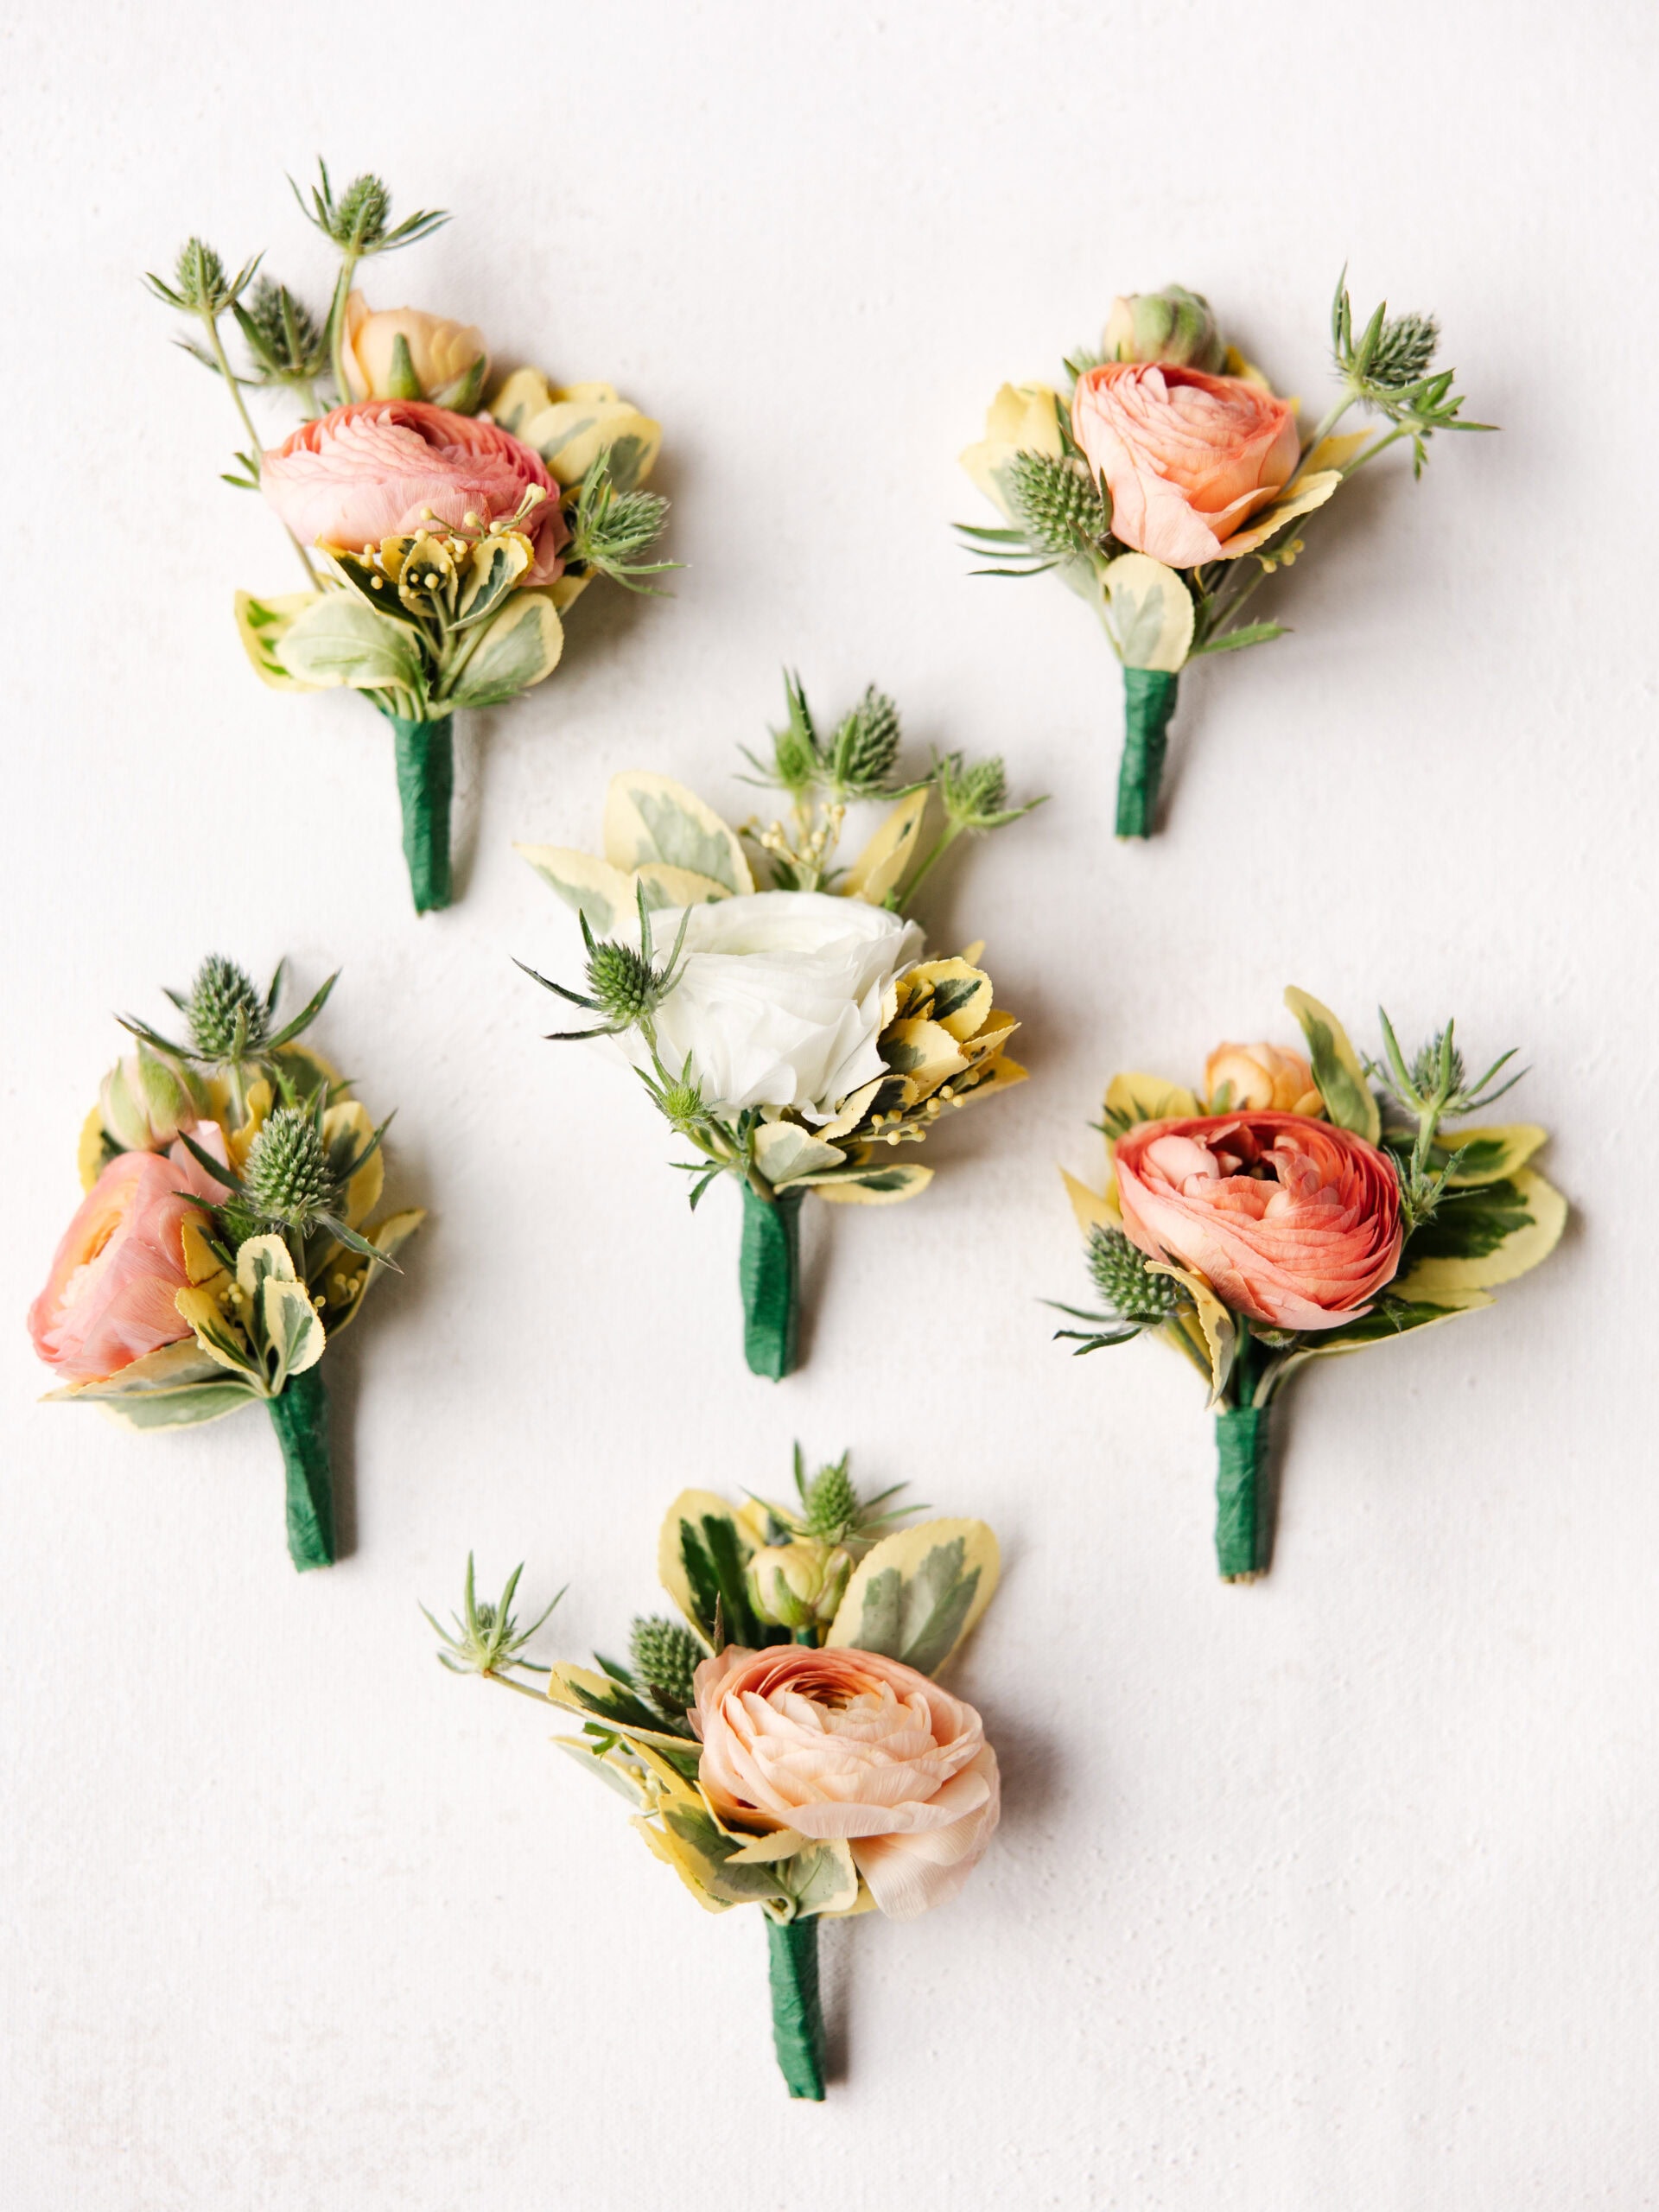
846, 1744
1187, 458
382, 467
1291, 1221
1263, 1077
109, 1298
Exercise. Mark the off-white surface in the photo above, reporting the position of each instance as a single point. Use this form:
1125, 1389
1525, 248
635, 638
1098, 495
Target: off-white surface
1333, 1895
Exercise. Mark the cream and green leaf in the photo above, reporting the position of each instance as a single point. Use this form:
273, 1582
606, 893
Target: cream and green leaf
918, 1593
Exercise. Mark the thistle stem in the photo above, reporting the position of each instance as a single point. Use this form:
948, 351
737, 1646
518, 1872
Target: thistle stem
769, 1274
210, 323
1148, 704
797, 2005
300, 1417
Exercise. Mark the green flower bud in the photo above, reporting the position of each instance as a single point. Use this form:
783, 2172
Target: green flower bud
1173, 325
799, 1585
147, 1098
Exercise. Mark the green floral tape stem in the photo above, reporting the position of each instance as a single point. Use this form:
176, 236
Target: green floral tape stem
796, 2008
1243, 1523
769, 1271
426, 781
1148, 702
300, 1417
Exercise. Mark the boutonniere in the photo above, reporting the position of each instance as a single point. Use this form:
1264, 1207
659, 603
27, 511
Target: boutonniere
1299, 1207
785, 1743
226, 1234
443, 541
1168, 481
782, 1013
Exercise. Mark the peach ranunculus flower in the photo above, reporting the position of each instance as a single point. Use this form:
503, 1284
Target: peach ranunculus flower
108, 1298
843, 1744
1263, 1079
1187, 458
440, 354
1292, 1222
382, 467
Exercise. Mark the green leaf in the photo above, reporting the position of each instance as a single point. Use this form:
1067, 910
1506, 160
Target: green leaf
1348, 1097
1251, 633
648, 817
520, 647
918, 1593
340, 640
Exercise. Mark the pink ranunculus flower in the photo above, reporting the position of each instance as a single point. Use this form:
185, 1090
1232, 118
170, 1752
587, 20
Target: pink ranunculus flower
382, 467
1187, 458
1291, 1221
842, 1744
109, 1298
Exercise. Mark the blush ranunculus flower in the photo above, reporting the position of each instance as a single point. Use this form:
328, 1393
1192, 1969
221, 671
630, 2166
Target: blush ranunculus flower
1187, 458
380, 467
440, 352
846, 1745
781, 997
1293, 1222
1265, 1078
109, 1298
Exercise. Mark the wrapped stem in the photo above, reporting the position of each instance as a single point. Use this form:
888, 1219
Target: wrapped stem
769, 1271
300, 1417
1148, 703
1243, 1505
426, 782
796, 2008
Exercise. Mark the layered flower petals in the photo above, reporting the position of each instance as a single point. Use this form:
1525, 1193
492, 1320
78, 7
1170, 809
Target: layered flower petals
383, 467
1187, 458
1291, 1221
108, 1298
781, 997
844, 1744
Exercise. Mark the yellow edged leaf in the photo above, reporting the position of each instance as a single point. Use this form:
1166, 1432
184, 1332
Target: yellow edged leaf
89, 1149
1220, 1332
1148, 612
1133, 1098
648, 817
883, 1185
1431, 1280
918, 1592
1348, 1096
1311, 492
1093, 1209
880, 868
1492, 1154
261, 624
593, 888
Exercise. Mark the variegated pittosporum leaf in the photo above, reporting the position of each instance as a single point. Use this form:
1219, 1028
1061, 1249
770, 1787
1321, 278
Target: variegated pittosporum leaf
702, 1557
918, 1593
1348, 1096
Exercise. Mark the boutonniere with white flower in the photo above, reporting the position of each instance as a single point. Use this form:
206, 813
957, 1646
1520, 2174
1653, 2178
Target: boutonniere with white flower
1300, 1207
225, 1235
784, 1742
781, 1011
443, 540
1168, 481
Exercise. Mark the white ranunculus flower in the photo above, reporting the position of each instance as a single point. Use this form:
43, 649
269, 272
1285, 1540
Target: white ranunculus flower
781, 997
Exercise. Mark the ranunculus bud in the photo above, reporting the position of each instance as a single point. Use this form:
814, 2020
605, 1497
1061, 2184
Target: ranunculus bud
798, 1584
1262, 1078
1173, 325
404, 353
147, 1098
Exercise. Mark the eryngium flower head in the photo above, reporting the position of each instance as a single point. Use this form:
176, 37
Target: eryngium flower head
665, 1657
866, 746
288, 1176
831, 1503
1124, 1280
226, 1014
282, 331
625, 984
1056, 503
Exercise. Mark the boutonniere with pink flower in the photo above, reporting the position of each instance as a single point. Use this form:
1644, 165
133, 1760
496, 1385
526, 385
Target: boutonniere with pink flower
782, 1012
785, 1743
443, 541
1168, 481
225, 1237
1298, 1207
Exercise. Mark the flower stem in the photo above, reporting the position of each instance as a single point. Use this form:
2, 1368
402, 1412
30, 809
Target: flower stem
210, 323
1244, 1523
426, 780
769, 1273
797, 2007
300, 1417
1148, 703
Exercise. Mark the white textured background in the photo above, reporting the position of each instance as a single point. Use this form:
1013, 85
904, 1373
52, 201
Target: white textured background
1335, 1892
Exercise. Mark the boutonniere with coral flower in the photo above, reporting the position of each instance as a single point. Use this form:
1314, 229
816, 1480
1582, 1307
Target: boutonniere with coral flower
225, 1235
1299, 1207
1168, 481
780, 1010
785, 1743
443, 540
